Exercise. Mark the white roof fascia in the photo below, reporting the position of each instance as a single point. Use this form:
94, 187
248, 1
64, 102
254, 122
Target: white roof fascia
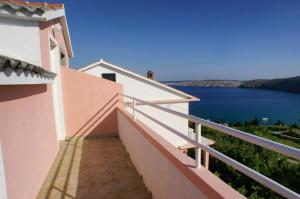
49, 14
67, 34
52, 14
117, 68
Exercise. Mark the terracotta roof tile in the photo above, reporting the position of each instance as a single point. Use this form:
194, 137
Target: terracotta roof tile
33, 4
14, 64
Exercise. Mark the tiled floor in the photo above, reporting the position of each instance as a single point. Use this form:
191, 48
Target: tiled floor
93, 168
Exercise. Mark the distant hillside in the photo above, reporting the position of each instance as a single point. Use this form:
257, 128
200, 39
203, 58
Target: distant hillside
291, 84
207, 83
285, 84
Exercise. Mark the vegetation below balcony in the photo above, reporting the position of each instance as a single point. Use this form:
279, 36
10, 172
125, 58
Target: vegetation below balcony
273, 165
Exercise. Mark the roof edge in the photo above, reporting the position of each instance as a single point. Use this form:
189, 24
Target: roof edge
26, 3
101, 61
66, 34
16, 64
50, 11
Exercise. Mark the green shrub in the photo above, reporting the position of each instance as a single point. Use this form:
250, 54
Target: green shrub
269, 163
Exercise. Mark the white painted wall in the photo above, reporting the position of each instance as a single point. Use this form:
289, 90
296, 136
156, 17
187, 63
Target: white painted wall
178, 123
57, 92
20, 39
141, 89
134, 86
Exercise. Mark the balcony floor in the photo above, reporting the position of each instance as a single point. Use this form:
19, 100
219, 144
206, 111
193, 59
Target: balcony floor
96, 167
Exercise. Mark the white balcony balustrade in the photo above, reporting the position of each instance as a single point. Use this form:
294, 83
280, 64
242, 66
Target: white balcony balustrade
199, 144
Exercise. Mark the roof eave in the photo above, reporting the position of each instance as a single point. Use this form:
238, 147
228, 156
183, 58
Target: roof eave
49, 15
193, 98
33, 4
14, 71
67, 37
178, 92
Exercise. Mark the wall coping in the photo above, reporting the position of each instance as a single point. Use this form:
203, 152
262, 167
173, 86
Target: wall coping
203, 179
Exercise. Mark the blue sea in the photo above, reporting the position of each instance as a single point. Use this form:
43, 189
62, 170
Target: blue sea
242, 104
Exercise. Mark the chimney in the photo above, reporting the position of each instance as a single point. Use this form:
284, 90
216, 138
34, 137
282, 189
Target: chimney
150, 75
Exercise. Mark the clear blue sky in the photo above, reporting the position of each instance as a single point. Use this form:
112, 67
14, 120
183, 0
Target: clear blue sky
180, 40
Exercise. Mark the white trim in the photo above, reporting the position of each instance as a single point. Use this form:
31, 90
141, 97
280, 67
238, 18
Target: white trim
57, 91
175, 101
66, 33
48, 15
3, 192
53, 14
19, 77
149, 81
263, 142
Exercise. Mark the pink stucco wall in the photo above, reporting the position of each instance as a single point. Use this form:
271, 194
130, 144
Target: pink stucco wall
27, 131
47, 28
167, 172
89, 103
28, 138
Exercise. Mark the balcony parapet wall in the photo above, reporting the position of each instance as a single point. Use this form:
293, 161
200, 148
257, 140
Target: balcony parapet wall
167, 172
89, 103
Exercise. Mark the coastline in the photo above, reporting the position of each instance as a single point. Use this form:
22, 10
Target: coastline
291, 84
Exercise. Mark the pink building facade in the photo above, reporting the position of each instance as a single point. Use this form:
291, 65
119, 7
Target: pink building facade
28, 133
43, 102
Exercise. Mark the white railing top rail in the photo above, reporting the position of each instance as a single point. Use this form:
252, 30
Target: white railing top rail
263, 142
274, 146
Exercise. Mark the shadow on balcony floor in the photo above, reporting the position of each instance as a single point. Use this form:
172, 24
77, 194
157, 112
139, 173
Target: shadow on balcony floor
93, 167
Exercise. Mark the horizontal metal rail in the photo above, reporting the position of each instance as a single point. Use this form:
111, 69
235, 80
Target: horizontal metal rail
286, 150
263, 142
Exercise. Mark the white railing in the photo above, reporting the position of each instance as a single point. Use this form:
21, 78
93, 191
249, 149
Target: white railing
274, 146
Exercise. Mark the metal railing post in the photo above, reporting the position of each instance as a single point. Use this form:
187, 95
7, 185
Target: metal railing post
197, 148
263, 142
133, 109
